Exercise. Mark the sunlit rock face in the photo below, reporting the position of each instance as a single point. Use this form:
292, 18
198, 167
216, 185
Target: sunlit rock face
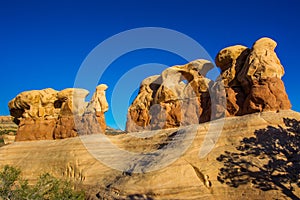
250, 81
49, 114
172, 99
253, 78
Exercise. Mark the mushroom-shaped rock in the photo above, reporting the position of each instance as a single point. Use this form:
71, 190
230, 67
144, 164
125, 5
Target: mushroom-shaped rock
99, 105
35, 113
49, 114
99, 101
33, 104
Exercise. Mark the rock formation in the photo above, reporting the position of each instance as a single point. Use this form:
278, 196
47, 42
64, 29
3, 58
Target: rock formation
139, 111
36, 113
99, 104
252, 78
250, 81
172, 99
49, 114
7, 125
254, 156
8, 130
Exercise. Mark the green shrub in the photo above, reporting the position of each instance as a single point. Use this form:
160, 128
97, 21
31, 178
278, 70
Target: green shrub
48, 187
8, 178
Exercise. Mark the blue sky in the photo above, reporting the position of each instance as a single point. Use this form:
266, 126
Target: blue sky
43, 43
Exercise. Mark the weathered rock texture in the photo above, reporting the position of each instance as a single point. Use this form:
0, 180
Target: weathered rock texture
181, 179
250, 81
7, 125
179, 96
99, 104
252, 78
49, 114
9, 138
7, 130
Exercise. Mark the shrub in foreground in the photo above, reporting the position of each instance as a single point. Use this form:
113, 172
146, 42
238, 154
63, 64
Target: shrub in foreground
13, 187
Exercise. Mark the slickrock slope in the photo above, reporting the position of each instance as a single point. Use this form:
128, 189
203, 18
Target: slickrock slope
190, 176
50, 114
250, 82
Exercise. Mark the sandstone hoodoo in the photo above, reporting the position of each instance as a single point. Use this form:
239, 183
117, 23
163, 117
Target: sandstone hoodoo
99, 104
166, 101
181, 95
49, 114
252, 78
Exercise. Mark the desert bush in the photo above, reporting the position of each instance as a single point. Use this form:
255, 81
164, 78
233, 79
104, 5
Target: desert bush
13, 187
8, 179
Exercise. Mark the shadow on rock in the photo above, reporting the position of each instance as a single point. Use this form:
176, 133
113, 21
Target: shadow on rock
268, 161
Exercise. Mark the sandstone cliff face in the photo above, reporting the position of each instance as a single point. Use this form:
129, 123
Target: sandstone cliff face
188, 177
49, 114
250, 81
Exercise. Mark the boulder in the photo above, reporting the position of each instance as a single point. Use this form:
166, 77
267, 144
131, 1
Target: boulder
231, 60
